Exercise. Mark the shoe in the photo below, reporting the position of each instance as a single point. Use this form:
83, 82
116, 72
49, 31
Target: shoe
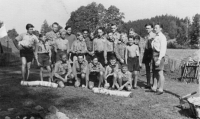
159, 92
147, 87
83, 86
135, 88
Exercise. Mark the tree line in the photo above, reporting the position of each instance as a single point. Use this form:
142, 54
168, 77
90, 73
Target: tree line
186, 33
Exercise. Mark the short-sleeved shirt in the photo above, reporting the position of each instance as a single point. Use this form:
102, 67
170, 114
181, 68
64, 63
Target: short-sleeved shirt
79, 46
71, 38
52, 36
97, 68
112, 69
127, 75
63, 68
43, 47
80, 67
62, 44
99, 44
89, 44
120, 51
27, 40
132, 51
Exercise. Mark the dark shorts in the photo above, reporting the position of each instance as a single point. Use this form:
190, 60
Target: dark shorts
93, 76
27, 53
58, 54
100, 56
162, 62
109, 55
43, 59
110, 79
133, 64
53, 56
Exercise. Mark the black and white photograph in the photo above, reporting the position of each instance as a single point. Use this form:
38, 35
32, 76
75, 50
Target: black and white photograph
99, 59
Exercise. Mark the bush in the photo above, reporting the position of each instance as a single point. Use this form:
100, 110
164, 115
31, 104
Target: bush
194, 46
174, 45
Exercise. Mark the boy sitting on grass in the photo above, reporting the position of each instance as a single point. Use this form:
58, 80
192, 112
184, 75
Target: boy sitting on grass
43, 56
125, 78
111, 73
80, 71
96, 72
63, 70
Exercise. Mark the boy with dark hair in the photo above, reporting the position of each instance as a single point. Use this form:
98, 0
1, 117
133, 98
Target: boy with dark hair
132, 59
110, 46
125, 78
26, 43
62, 45
80, 71
43, 56
111, 73
96, 71
62, 70
116, 35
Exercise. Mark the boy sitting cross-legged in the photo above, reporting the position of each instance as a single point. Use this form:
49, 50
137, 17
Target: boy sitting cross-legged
125, 78
62, 70
96, 72
111, 73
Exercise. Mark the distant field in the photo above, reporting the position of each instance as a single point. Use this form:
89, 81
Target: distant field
179, 54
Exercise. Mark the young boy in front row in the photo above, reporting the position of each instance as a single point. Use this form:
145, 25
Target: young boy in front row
96, 72
125, 78
80, 71
62, 70
43, 56
111, 73
132, 59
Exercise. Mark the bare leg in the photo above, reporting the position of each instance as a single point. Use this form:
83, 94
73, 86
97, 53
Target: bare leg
50, 74
135, 78
114, 80
23, 59
155, 80
100, 79
161, 81
120, 81
28, 70
41, 73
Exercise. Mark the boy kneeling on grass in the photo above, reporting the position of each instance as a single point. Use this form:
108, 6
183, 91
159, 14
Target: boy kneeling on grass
80, 71
111, 73
63, 71
125, 78
96, 72
43, 56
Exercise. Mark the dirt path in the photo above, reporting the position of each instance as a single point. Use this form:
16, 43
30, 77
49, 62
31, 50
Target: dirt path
83, 104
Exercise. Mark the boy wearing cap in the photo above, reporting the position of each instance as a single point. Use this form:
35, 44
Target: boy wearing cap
125, 78
96, 71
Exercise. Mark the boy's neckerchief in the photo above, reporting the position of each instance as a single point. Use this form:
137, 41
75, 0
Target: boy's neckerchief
112, 67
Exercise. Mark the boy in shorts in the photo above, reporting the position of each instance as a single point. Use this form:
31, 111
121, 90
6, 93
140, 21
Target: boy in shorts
132, 59
63, 71
43, 56
125, 78
80, 71
96, 71
111, 73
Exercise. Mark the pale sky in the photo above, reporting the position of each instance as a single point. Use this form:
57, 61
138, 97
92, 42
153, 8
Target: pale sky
17, 13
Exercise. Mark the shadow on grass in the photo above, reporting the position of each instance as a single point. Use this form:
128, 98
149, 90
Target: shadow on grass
13, 95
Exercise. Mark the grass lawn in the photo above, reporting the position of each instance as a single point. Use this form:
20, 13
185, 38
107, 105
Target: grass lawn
84, 104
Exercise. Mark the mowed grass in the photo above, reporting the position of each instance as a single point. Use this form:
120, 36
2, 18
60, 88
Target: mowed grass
79, 103
180, 54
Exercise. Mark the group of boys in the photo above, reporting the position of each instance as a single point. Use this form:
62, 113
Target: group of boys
111, 60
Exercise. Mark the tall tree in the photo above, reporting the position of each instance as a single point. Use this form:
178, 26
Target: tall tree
45, 27
195, 30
